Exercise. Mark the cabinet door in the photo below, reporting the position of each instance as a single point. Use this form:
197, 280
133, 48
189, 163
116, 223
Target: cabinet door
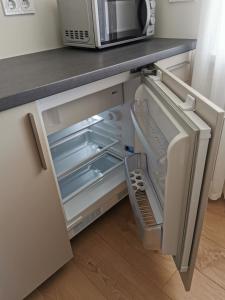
169, 181
34, 241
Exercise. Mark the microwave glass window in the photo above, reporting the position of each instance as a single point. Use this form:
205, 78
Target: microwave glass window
121, 19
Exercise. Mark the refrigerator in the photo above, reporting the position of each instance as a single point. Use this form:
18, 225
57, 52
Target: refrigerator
146, 134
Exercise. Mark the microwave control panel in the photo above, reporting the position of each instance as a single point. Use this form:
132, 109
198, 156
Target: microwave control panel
151, 27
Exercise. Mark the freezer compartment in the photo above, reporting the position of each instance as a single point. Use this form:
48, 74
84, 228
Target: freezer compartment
72, 151
144, 201
88, 174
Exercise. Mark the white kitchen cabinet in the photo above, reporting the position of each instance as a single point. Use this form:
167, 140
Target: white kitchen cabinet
147, 132
167, 134
33, 237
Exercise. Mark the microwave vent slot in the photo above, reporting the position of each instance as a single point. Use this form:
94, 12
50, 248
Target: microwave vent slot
77, 35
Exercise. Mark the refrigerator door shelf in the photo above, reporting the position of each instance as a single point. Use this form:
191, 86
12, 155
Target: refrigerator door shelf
147, 211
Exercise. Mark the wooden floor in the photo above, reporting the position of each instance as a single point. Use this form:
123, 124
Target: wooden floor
110, 263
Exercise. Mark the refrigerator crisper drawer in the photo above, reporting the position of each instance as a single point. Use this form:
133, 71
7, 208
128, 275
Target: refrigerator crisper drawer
74, 150
144, 202
87, 175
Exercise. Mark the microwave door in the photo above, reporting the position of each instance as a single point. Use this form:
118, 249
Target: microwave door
121, 20
165, 180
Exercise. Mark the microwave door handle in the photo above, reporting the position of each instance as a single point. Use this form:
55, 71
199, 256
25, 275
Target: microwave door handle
148, 16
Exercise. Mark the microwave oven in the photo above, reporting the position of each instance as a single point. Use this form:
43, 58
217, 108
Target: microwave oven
105, 23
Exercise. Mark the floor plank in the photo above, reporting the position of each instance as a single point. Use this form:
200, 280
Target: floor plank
202, 289
118, 229
214, 227
110, 272
110, 263
69, 284
36, 295
211, 261
217, 207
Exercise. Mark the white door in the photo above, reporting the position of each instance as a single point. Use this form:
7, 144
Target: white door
177, 133
34, 241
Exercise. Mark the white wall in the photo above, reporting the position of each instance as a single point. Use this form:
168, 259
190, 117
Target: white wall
30, 33
180, 20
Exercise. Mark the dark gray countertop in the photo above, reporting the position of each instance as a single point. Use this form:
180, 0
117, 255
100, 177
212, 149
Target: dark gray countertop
30, 77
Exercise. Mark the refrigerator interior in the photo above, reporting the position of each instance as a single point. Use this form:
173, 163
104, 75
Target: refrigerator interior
88, 159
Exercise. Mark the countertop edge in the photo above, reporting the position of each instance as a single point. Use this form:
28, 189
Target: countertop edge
76, 81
